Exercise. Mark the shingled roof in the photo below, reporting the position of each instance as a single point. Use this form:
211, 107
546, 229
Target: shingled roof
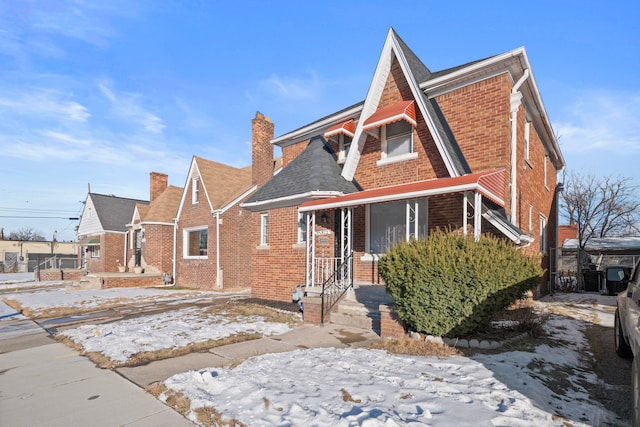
315, 170
164, 207
223, 183
114, 212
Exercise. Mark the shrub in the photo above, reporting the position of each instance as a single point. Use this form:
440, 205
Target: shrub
449, 285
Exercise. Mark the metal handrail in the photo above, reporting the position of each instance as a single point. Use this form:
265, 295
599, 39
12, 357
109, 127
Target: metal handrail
333, 288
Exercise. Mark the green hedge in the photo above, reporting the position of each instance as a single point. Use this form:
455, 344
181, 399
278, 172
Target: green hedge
449, 285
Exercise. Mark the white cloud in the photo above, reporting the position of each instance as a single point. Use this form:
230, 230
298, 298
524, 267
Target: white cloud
601, 121
44, 102
128, 106
293, 88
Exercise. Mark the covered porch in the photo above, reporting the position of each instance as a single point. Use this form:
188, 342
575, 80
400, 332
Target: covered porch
349, 231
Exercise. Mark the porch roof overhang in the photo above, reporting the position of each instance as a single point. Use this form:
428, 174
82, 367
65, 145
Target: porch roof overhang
405, 110
346, 128
293, 200
489, 184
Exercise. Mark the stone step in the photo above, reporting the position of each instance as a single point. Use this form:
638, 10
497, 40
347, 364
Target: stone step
90, 282
361, 322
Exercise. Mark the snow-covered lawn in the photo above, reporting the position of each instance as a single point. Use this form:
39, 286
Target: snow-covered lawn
170, 330
358, 387
54, 301
544, 383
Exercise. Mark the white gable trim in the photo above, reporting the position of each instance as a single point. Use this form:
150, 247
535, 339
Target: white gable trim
390, 50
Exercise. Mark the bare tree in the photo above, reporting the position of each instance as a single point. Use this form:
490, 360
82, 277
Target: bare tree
600, 207
26, 234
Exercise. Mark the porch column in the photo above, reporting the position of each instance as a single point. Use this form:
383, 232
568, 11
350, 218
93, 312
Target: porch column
477, 216
465, 212
346, 215
311, 248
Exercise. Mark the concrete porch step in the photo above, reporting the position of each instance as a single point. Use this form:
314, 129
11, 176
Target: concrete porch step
357, 315
87, 282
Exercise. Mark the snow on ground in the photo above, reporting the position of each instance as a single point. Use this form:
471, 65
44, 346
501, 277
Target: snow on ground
174, 329
45, 300
21, 280
542, 387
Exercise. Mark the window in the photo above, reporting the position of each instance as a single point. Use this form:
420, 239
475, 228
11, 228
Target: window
527, 130
543, 234
344, 146
264, 229
195, 190
302, 227
94, 250
530, 218
397, 139
196, 243
394, 222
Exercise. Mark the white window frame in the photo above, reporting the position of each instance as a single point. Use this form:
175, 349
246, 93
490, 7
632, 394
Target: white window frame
95, 251
546, 159
342, 152
264, 229
302, 227
185, 242
543, 234
527, 136
410, 233
195, 190
385, 158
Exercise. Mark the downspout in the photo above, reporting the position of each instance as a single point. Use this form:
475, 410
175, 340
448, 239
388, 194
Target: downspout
175, 248
218, 281
515, 100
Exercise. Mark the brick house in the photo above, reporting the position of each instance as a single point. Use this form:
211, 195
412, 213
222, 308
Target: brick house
150, 242
213, 234
102, 232
468, 148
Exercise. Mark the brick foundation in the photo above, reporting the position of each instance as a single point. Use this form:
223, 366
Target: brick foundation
391, 326
313, 311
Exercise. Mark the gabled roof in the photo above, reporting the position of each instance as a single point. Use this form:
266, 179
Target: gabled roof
432, 84
164, 208
114, 212
395, 48
221, 184
313, 173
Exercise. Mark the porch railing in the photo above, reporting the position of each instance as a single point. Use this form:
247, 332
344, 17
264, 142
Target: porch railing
336, 285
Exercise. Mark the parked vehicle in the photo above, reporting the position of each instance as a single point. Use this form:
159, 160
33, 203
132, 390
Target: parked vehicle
627, 334
616, 279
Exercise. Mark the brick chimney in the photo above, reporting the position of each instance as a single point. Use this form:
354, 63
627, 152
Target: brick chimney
261, 149
158, 183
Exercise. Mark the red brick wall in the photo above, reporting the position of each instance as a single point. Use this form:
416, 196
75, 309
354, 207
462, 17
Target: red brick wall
262, 149
196, 273
280, 266
235, 247
158, 183
111, 250
157, 249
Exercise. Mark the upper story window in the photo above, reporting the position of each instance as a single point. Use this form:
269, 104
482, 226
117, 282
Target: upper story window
343, 147
397, 139
527, 134
543, 234
195, 190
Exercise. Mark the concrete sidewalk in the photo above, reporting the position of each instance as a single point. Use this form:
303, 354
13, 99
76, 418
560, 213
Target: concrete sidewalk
303, 337
52, 385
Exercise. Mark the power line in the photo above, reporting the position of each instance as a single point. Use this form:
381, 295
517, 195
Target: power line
39, 217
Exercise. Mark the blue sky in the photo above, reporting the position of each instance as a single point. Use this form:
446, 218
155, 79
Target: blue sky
104, 92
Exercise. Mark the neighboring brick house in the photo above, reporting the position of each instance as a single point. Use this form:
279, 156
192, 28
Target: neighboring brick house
102, 232
213, 235
151, 231
468, 148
